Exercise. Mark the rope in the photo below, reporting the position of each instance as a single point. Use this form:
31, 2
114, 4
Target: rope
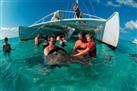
86, 7
71, 7
77, 1
92, 7
68, 5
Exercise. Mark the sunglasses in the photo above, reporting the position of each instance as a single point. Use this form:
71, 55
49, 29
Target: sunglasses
51, 41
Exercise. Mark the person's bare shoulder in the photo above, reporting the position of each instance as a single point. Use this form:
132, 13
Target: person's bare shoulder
46, 51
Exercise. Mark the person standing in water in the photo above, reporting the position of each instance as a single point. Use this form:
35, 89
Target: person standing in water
77, 11
80, 44
57, 56
6, 47
51, 45
90, 49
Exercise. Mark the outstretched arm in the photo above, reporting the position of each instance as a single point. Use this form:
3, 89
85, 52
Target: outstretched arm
83, 52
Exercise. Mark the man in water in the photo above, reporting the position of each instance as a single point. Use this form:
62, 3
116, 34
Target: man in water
36, 40
91, 47
77, 11
6, 47
80, 44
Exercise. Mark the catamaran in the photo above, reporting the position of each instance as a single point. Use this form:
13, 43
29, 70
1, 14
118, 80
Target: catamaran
105, 30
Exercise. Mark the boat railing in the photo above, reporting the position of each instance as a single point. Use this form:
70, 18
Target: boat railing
63, 14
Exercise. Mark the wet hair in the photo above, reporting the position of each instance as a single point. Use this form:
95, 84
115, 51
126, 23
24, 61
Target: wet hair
46, 38
5, 39
82, 34
51, 36
83, 37
61, 36
90, 35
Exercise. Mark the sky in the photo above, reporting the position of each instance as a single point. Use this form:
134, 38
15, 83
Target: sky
14, 13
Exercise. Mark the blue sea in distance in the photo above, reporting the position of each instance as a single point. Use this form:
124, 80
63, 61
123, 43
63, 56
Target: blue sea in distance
112, 70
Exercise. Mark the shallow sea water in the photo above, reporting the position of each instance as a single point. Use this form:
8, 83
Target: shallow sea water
112, 70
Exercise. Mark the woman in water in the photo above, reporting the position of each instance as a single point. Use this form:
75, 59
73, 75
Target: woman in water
51, 45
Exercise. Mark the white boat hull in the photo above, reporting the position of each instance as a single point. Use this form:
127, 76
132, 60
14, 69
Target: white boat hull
106, 31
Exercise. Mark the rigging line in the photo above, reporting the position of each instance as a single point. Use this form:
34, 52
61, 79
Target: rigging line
77, 1
1, 10
71, 7
92, 7
68, 5
69, 2
86, 7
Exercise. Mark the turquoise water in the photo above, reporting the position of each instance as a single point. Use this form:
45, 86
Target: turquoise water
112, 70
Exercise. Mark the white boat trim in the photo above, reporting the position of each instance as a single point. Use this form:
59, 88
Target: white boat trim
81, 19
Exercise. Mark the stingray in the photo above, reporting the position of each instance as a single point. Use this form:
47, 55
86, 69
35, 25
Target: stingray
58, 56
134, 56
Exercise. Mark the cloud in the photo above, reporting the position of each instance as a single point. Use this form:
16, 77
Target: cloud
131, 3
8, 32
123, 30
110, 3
131, 25
119, 3
8, 28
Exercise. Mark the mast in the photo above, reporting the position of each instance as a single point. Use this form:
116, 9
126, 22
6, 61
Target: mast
77, 1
